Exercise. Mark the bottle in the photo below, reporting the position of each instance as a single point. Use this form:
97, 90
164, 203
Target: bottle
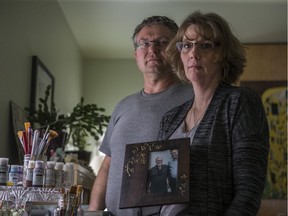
50, 177
60, 210
68, 178
71, 173
29, 173
13, 175
38, 174
59, 174
20, 173
4, 171
25, 167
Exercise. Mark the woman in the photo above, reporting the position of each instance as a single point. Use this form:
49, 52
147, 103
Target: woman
227, 124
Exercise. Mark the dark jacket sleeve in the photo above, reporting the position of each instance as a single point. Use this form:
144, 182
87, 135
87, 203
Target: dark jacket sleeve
250, 138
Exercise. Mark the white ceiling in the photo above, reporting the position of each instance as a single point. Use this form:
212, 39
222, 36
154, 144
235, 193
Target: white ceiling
103, 28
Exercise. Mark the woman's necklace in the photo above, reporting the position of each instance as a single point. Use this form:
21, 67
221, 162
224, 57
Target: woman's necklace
192, 113
188, 123
196, 121
185, 128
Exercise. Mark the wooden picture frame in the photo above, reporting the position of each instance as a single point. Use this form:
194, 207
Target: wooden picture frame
41, 79
138, 162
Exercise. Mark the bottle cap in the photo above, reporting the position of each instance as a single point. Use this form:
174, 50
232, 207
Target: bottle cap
50, 164
70, 165
14, 168
39, 164
59, 165
4, 161
31, 164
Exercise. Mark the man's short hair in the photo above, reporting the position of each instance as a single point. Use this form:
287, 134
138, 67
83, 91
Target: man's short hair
155, 20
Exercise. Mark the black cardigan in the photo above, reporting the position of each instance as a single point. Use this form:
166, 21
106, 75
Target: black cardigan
229, 152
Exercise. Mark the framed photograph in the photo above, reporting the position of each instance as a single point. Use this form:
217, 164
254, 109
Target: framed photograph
156, 173
41, 79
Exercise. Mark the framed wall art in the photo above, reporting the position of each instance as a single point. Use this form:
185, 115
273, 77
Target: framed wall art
41, 79
152, 175
274, 99
19, 117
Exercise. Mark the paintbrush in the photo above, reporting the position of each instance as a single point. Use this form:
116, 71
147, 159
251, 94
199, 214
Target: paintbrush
43, 141
78, 198
52, 134
24, 139
27, 126
71, 200
20, 136
35, 143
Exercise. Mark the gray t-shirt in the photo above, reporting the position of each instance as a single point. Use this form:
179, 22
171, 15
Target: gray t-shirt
135, 119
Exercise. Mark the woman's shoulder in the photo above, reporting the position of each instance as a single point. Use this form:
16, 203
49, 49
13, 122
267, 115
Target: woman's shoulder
239, 96
183, 107
238, 91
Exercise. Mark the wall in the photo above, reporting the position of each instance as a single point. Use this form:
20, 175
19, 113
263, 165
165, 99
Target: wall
35, 28
265, 62
108, 81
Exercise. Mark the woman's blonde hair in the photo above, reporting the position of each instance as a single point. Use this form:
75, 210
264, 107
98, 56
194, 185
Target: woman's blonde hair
232, 53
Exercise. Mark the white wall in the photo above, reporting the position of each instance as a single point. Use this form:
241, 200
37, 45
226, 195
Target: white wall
39, 28
35, 28
107, 81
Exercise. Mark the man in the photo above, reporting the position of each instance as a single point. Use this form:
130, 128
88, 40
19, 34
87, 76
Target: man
173, 168
158, 175
137, 117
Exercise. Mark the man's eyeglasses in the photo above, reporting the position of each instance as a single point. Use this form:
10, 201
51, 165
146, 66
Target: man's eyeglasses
145, 44
186, 46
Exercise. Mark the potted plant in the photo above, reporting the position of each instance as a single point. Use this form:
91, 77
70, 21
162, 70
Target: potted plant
84, 120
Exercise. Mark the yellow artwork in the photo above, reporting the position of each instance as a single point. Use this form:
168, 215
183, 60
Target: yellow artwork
275, 104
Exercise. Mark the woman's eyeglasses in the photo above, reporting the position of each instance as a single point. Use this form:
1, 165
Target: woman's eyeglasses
186, 46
